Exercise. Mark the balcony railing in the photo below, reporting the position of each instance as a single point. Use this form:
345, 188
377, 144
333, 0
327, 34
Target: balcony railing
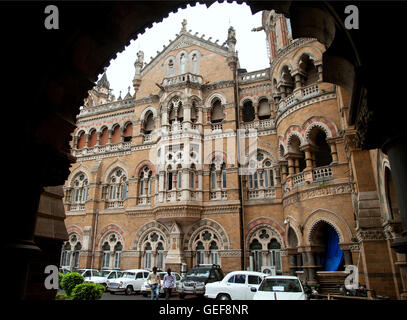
298, 96
144, 200
298, 179
183, 78
112, 204
322, 173
148, 137
216, 127
254, 76
261, 194
77, 207
260, 124
88, 151
218, 195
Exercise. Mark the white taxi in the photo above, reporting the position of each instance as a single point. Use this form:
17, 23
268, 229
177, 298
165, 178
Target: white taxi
130, 281
280, 288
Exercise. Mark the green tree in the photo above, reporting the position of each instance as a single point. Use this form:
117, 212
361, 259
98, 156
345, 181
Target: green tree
70, 281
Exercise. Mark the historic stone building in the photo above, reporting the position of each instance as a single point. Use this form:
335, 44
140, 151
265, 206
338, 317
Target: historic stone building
208, 163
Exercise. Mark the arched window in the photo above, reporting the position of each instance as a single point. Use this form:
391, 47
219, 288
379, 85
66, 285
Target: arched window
169, 178
77, 195
117, 255
171, 68
160, 256
298, 156
261, 178
104, 137
213, 253
92, 139
71, 252
182, 63
213, 176
248, 111
264, 109
153, 247
265, 250
106, 255
128, 132
194, 63
322, 153
217, 111
116, 134
179, 177
180, 113
194, 112
149, 123
206, 241
116, 189
307, 66
223, 173
145, 181
81, 140
200, 253
147, 256
287, 81
193, 183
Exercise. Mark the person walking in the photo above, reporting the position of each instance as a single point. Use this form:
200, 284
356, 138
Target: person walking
169, 284
153, 281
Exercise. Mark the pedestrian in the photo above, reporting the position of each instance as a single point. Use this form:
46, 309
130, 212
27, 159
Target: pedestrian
153, 280
169, 284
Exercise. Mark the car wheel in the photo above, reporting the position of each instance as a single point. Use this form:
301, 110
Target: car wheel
223, 297
129, 290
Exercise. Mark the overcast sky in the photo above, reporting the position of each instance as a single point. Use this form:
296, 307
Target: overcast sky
213, 22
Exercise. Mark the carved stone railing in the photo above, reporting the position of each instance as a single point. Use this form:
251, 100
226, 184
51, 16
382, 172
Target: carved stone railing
216, 127
113, 204
297, 96
322, 173
255, 76
261, 194
218, 195
183, 78
260, 124
148, 138
88, 151
298, 179
144, 200
77, 207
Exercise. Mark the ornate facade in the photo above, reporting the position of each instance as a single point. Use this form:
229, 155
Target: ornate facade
208, 163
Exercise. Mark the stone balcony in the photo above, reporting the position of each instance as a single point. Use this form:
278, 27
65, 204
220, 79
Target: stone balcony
254, 76
99, 150
183, 79
260, 194
260, 124
298, 96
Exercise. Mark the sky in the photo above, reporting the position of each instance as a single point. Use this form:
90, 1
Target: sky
212, 22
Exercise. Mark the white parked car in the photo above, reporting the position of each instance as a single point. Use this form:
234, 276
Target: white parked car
145, 288
130, 281
280, 288
87, 273
103, 276
235, 285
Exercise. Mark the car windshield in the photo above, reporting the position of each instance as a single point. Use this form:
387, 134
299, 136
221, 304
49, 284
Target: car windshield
128, 275
280, 285
103, 274
199, 272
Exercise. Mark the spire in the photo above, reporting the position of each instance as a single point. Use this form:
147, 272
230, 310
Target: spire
128, 95
231, 41
103, 82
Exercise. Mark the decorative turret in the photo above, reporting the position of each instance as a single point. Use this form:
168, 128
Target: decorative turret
103, 82
138, 65
232, 53
128, 95
184, 26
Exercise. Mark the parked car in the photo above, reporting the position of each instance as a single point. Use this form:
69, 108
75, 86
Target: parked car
87, 273
235, 285
103, 276
64, 270
145, 288
130, 281
280, 288
197, 277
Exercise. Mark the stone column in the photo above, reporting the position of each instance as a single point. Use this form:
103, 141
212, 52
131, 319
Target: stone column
256, 111
187, 115
291, 169
297, 79
283, 170
110, 136
334, 153
297, 165
319, 68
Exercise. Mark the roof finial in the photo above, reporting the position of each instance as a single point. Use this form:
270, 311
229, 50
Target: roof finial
184, 25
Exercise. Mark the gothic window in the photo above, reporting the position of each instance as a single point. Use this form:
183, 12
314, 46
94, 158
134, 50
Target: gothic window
213, 176
128, 132
194, 112
77, 195
92, 139
179, 177
262, 176
117, 255
248, 111
104, 137
160, 256
265, 250
172, 115
149, 123
217, 111
116, 190
317, 138
223, 172
145, 181
116, 134
193, 177
147, 256
206, 246
171, 68
194, 64
153, 247
169, 178
182, 63
81, 140
287, 81
307, 66
294, 148
71, 252
264, 109
106, 255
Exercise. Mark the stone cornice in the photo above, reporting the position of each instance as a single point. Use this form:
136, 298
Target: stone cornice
106, 107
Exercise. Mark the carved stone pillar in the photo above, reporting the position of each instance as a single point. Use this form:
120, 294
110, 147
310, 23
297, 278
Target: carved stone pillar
110, 136
291, 168
334, 153
187, 115
297, 79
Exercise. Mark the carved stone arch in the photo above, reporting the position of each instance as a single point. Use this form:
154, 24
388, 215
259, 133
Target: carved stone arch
106, 232
336, 221
293, 223
327, 125
282, 150
290, 133
118, 163
146, 110
313, 52
212, 97
101, 128
247, 98
81, 168
146, 229
209, 224
263, 96
91, 129
216, 153
257, 224
269, 154
283, 63
141, 165
181, 95
166, 65
114, 125
73, 228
